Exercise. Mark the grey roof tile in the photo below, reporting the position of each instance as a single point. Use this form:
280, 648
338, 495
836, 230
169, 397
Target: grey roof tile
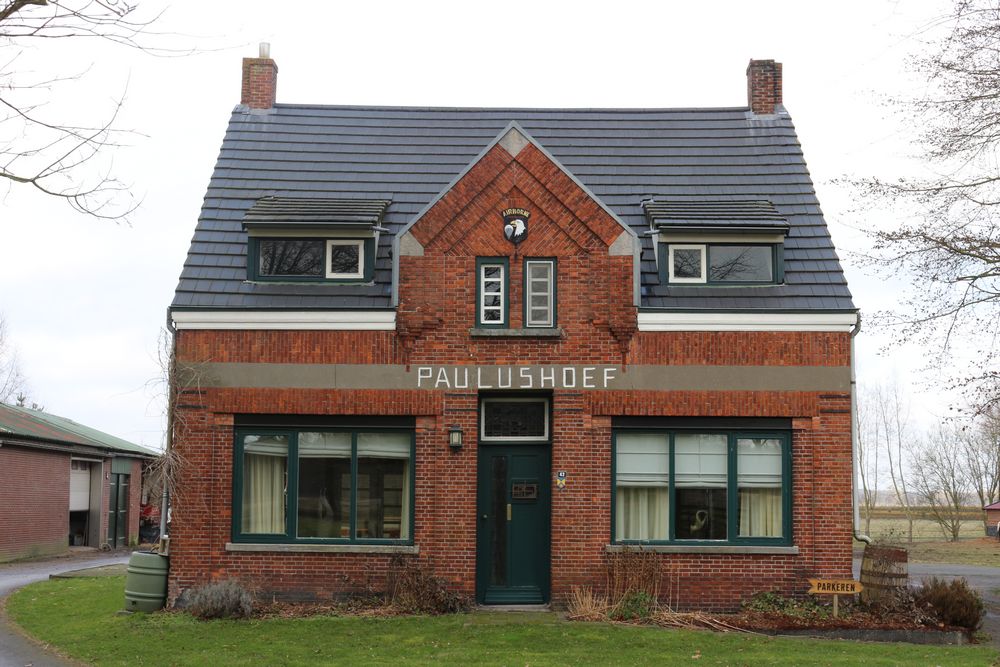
408, 155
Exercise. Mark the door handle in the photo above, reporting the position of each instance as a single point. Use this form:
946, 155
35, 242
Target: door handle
508, 511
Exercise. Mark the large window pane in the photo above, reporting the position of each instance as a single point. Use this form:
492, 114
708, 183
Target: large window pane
324, 485
642, 468
383, 486
759, 464
265, 465
740, 263
290, 257
700, 480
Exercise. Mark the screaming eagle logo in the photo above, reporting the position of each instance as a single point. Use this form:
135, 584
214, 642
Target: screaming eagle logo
515, 224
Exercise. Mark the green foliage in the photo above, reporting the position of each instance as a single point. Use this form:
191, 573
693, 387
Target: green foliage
952, 602
94, 633
634, 606
775, 603
220, 599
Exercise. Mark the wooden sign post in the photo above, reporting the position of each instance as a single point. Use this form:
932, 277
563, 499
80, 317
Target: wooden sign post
836, 588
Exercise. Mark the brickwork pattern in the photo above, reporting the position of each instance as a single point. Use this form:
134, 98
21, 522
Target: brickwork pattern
437, 297
34, 503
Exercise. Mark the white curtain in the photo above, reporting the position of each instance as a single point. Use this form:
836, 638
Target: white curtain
263, 493
759, 473
642, 468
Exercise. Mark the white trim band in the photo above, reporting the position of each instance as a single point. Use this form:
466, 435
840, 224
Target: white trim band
346, 320
671, 321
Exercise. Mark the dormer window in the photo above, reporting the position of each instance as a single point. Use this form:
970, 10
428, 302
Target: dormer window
312, 240
718, 243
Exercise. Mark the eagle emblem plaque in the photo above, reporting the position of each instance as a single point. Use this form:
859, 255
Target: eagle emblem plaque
515, 224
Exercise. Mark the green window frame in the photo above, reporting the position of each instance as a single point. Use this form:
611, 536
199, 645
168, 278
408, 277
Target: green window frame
666, 252
659, 476
366, 260
492, 292
351, 502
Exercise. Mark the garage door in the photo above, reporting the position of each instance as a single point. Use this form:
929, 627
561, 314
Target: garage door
79, 486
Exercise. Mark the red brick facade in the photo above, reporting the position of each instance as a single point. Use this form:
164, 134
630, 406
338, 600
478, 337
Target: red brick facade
34, 503
437, 292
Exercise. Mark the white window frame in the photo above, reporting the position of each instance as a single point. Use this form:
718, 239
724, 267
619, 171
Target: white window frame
529, 293
512, 438
483, 293
360, 243
670, 262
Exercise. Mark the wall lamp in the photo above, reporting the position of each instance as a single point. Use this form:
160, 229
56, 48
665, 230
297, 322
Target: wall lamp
455, 437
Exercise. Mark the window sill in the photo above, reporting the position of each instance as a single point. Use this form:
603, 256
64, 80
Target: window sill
325, 548
527, 332
706, 549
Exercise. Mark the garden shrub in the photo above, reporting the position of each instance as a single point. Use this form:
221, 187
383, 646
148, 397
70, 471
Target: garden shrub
952, 602
220, 599
636, 605
411, 588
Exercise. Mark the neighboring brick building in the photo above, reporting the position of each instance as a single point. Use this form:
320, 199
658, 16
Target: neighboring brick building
64, 484
507, 342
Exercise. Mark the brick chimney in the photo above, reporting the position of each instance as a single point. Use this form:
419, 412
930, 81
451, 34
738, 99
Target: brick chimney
260, 80
763, 86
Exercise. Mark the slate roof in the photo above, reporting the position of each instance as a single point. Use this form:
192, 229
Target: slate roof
715, 216
36, 425
409, 155
305, 212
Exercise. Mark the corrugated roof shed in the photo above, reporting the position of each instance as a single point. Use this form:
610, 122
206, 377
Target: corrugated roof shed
42, 426
409, 155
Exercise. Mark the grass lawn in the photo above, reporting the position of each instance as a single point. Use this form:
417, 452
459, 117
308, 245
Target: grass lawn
79, 617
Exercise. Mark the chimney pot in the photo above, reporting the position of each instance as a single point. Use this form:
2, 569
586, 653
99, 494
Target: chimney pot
763, 86
260, 80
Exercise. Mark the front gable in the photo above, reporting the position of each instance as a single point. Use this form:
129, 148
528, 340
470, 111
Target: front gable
592, 252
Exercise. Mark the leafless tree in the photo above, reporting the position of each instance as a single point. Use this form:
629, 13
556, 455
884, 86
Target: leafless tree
12, 382
53, 149
948, 240
870, 446
940, 479
890, 414
981, 445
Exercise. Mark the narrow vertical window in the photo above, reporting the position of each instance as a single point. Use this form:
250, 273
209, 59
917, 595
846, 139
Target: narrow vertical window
383, 486
539, 293
642, 476
492, 293
701, 481
759, 474
265, 477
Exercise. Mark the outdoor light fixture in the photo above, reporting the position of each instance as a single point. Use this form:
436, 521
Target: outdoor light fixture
455, 436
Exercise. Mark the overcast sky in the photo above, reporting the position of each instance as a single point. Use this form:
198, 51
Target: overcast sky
85, 300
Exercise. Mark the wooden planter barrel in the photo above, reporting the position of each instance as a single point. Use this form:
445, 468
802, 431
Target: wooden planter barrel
884, 572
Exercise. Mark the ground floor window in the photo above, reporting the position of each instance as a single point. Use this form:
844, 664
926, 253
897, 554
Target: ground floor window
702, 486
337, 485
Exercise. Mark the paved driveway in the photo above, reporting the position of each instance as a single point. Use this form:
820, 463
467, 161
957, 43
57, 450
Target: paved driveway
15, 649
985, 580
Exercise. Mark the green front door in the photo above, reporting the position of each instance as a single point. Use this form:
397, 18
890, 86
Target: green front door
118, 511
512, 555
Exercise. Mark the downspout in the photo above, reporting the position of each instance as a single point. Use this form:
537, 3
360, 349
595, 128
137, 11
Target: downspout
858, 535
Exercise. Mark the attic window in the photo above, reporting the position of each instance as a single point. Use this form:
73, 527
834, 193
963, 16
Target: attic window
718, 242
313, 240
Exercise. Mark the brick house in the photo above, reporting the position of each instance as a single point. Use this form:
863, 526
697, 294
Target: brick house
64, 484
508, 342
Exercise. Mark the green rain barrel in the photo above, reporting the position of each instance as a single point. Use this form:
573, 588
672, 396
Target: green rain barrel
146, 583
